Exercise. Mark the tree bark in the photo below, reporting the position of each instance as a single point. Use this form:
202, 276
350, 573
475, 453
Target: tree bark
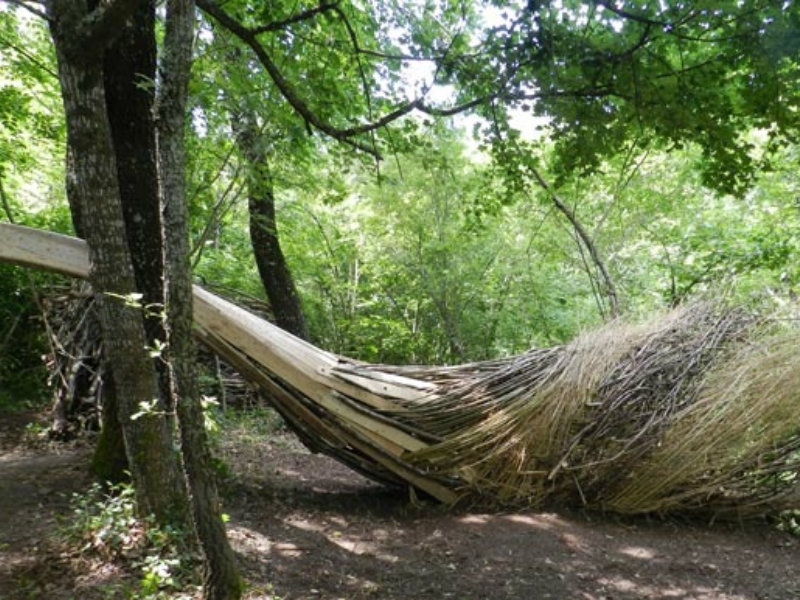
222, 581
109, 461
129, 71
276, 277
93, 176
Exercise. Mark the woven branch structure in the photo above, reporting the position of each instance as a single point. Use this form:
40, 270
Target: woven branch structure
698, 411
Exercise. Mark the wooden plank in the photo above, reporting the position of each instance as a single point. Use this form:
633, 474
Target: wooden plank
384, 388
390, 379
384, 430
360, 393
29, 247
294, 360
402, 470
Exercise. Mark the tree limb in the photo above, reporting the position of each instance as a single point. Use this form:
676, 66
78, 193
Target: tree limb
29, 57
299, 17
30, 9
4, 201
346, 134
620, 12
285, 88
586, 240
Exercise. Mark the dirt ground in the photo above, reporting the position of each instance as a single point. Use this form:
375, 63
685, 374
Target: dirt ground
305, 527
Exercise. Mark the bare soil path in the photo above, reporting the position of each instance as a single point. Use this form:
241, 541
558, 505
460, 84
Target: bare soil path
307, 528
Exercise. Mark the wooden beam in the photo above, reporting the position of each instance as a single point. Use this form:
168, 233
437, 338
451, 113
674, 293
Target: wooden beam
29, 247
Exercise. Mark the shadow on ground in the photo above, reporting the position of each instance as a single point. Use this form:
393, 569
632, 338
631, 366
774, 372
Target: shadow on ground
306, 527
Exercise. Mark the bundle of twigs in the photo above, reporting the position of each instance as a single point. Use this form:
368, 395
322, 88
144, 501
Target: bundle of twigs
74, 362
698, 410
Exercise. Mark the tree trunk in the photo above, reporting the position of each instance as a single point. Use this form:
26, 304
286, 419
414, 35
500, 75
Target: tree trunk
93, 176
272, 267
129, 69
222, 580
129, 77
109, 461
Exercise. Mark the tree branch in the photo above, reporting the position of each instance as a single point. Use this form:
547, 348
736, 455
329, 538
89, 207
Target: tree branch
29, 57
620, 12
285, 88
586, 239
30, 9
299, 17
287, 91
4, 201
346, 134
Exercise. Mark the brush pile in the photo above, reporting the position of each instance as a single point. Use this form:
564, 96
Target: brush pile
74, 363
697, 411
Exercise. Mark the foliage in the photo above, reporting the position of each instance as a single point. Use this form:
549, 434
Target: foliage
31, 190
382, 265
789, 521
609, 76
669, 238
23, 345
105, 523
31, 117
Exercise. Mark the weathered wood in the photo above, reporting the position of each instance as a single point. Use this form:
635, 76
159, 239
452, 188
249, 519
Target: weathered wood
44, 250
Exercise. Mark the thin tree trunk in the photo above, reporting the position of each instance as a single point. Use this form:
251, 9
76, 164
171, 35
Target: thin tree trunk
222, 580
93, 174
608, 287
129, 77
276, 277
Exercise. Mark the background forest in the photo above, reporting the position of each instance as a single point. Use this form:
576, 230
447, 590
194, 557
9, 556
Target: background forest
436, 254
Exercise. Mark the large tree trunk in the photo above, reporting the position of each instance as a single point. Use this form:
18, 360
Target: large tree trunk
270, 260
129, 76
129, 72
93, 176
222, 580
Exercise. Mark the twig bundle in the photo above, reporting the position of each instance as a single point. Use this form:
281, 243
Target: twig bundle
696, 411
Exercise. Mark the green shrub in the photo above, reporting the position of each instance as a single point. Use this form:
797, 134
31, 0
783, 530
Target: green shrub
106, 525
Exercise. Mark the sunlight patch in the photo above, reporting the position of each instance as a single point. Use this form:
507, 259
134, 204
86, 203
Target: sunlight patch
638, 552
